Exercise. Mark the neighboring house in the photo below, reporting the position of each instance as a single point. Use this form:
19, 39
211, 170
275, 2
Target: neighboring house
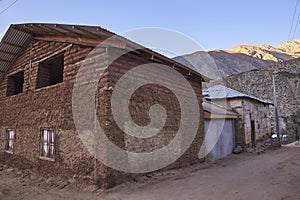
219, 120
38, 67
253, 123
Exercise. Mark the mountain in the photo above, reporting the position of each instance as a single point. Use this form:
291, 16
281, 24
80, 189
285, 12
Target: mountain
222, 63
285, 51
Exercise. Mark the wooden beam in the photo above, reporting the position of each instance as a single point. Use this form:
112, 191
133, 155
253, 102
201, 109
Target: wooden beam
86, 32
67, 30
53, 54
70, 39
208, 115
39, 28
50, 29
22, 29
105, 32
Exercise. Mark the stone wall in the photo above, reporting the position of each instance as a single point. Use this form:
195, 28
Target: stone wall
51, 106
249, 110
259, 84
259, 113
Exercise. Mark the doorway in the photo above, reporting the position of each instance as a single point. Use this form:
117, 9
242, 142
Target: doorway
253, 138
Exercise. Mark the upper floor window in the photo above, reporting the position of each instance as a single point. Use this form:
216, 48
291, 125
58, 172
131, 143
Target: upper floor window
10, 140
50, 72
15, 83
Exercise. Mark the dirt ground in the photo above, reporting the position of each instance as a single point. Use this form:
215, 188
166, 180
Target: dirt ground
272, 175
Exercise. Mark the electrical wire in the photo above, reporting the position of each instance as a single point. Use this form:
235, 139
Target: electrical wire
295, 11
298, 18
8, 7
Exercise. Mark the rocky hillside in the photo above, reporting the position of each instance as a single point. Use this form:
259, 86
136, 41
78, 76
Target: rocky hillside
219, 64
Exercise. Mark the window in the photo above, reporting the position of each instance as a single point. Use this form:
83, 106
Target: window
15, 83
10, 140
50, 72
47, 143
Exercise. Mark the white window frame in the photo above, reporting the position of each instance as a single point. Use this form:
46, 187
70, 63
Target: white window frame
47, 138
10, 137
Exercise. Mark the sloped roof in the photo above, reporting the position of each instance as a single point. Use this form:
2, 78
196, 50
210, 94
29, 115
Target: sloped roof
218, 110
18, 36
222, 92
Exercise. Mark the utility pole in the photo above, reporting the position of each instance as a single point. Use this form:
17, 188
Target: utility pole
276, 112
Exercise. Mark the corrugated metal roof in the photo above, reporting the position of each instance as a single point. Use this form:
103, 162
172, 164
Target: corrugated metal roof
11, 45
222, 92
18, 36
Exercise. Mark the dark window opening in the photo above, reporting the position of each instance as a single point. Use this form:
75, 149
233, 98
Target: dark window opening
50, 72
15, 83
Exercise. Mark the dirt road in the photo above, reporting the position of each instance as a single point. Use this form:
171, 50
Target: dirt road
272, 175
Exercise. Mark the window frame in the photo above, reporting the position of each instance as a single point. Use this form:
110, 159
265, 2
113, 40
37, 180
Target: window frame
51, 144
42, 69
7, 140
15, 77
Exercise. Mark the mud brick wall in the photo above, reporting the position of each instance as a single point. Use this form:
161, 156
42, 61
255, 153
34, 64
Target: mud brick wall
140, 103
44, 107
259, 84
51, 106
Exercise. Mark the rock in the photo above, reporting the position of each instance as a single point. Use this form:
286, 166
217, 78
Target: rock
1, 169
238, 150
259, 151
61, 186
10, 170
25, 174
92, 188
148, 175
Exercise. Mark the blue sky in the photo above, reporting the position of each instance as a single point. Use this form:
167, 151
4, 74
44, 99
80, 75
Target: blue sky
214, 24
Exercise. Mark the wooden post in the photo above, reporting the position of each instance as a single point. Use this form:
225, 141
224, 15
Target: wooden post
276, 112
298, 132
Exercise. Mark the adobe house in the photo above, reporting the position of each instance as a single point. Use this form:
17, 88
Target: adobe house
219, 120
38, 67
253, 123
